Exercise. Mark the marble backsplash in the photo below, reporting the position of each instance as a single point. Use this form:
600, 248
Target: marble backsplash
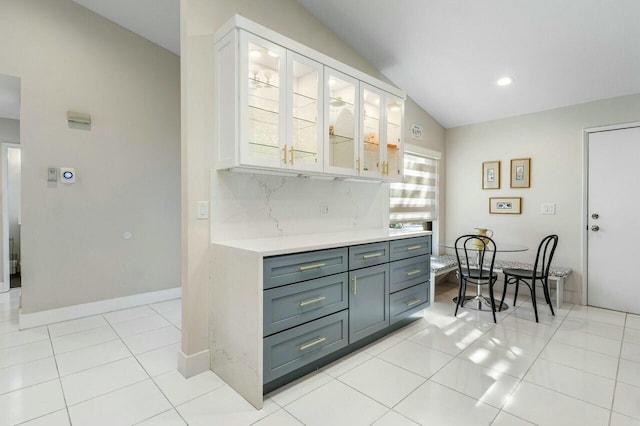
253, 205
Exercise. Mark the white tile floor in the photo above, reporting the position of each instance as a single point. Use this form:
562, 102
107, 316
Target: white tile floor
581, 367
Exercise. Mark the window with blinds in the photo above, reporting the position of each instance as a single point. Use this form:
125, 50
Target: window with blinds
415, 199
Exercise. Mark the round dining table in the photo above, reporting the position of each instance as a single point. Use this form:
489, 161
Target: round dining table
479, 297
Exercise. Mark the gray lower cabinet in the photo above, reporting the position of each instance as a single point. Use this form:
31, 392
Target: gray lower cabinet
291, 305
409, 247
368, 301
316, 303
408, 301
289, 350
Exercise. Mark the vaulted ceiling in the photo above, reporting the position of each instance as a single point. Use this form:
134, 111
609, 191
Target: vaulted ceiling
448, 54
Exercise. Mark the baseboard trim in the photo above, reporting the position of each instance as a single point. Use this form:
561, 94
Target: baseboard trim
66, 313
190, 365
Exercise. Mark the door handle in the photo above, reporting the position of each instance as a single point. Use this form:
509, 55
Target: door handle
595, 216
595, 228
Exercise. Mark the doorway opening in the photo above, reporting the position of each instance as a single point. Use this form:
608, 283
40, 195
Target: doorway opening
10, 182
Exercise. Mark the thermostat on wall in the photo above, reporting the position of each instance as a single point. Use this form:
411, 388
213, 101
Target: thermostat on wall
67, 175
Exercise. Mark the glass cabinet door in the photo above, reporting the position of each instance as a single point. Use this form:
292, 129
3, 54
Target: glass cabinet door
393, 158
262, 102
371, 131
304, 118
341, 123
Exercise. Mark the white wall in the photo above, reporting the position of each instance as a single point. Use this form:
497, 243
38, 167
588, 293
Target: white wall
127, 166
554, 142
248, 205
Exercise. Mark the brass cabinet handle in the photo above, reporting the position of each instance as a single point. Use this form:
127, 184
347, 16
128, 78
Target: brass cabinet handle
370, 255
312, 301
355, 285
415, 271
313, 266
312, 343
292, 155
358, 165
414, 247
413, 302
284, 154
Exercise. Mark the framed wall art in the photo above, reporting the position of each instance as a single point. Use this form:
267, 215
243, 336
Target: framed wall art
491, 175
505, 205
521, 173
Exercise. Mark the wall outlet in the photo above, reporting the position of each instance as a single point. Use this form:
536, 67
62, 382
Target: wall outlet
548, 208
324, 209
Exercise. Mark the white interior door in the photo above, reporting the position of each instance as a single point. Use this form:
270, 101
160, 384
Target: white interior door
613, 226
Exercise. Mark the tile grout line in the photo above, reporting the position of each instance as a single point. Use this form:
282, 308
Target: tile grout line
173, 407
55, 360
615, 385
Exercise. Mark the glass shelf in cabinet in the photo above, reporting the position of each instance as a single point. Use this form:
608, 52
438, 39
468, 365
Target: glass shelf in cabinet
338, 102
371, 146
265, 115
263, 145
337, 139
258, 84
303, 123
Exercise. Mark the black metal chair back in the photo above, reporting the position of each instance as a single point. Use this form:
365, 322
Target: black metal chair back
476, 258
546, 250
540, 272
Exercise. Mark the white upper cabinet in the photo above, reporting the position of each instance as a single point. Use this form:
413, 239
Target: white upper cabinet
341, 106
263, 108
393, 161
285, 108
304, 113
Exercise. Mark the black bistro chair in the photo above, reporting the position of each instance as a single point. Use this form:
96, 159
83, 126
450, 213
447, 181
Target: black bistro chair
473, 252
540, 272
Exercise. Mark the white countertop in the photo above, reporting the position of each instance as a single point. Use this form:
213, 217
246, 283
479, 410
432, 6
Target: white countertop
296, 243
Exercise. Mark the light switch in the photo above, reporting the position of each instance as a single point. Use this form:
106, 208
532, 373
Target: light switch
203, 210
548, 208
52, 174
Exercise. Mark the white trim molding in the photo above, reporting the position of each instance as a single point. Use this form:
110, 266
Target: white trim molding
66, 313
190, 365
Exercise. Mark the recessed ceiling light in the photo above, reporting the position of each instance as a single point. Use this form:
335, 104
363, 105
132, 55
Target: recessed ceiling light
394, 107
504, 81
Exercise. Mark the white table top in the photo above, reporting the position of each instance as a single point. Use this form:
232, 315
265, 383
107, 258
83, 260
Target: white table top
296, 243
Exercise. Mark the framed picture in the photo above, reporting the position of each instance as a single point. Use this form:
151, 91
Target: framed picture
521, 173
491, 175
505, 205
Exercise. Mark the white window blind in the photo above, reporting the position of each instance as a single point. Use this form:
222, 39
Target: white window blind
415, 199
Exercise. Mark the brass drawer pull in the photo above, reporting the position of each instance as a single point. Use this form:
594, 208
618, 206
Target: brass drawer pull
314, 266
312, 301
415, 271
284, 152
414, 247
369, 256
355, 286
312, 343
413, 302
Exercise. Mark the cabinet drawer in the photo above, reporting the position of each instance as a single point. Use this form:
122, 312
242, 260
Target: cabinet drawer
291, 268
294, 304
408, 301
409, 272
289, 350
368, 255
410, 247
